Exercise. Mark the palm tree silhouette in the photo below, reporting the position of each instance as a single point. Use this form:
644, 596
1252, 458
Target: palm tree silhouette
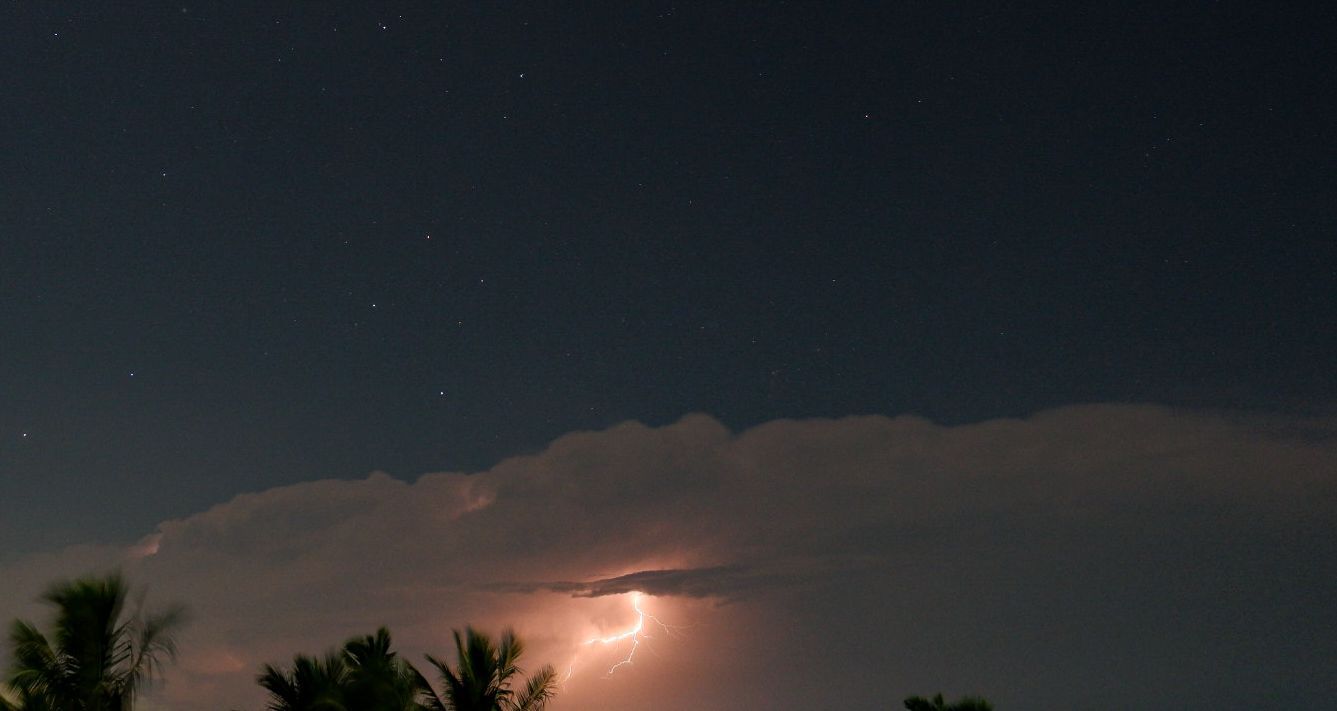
98, 657
362, 676
378, 680
313, 684
482, 681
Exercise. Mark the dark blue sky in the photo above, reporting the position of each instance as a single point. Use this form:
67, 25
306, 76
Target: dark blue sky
243, 246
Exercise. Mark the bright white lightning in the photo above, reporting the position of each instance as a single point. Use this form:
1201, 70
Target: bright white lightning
636, 633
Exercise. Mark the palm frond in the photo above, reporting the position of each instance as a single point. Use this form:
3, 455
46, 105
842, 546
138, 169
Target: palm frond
37, 669
95, 657
281, 686
508, 655
483, 675
540, 689
427, 696
377, 678
150, 645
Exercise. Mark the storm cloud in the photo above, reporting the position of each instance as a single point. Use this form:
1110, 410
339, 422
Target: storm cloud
1084, 557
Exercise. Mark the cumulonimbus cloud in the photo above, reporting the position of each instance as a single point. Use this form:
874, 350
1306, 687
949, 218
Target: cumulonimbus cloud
1045, 561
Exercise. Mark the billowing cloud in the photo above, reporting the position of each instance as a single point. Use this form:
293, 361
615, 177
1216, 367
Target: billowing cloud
1086, 557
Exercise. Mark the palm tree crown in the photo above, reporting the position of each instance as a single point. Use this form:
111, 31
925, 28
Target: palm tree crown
377, 678
363, 676
482, 681
313, 684
97, 658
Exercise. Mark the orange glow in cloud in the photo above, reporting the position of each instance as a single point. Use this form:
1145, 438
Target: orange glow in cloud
636, 634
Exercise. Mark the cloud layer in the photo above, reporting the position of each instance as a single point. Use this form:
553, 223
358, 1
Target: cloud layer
1086, 557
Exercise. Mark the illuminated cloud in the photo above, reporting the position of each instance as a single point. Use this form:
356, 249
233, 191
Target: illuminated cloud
719, 581
1085, 557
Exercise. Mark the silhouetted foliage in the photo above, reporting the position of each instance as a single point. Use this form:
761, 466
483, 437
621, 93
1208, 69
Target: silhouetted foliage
482, 679
378, 680
965, 703
362, 676
312, 684
97, 658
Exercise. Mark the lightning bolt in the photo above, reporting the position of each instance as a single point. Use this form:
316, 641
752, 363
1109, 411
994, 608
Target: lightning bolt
636, 633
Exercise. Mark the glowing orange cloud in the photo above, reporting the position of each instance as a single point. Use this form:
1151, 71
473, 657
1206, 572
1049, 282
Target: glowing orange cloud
636, 633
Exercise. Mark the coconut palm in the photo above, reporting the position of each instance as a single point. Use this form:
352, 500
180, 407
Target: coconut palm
313, 684
364, 675
378, 680
482, 681
98, 657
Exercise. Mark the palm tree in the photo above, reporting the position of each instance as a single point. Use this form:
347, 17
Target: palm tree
364, 675
378, 680
483, 680
965, 703
98, 658
313, 684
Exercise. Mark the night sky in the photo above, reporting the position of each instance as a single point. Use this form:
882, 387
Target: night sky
246, 245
